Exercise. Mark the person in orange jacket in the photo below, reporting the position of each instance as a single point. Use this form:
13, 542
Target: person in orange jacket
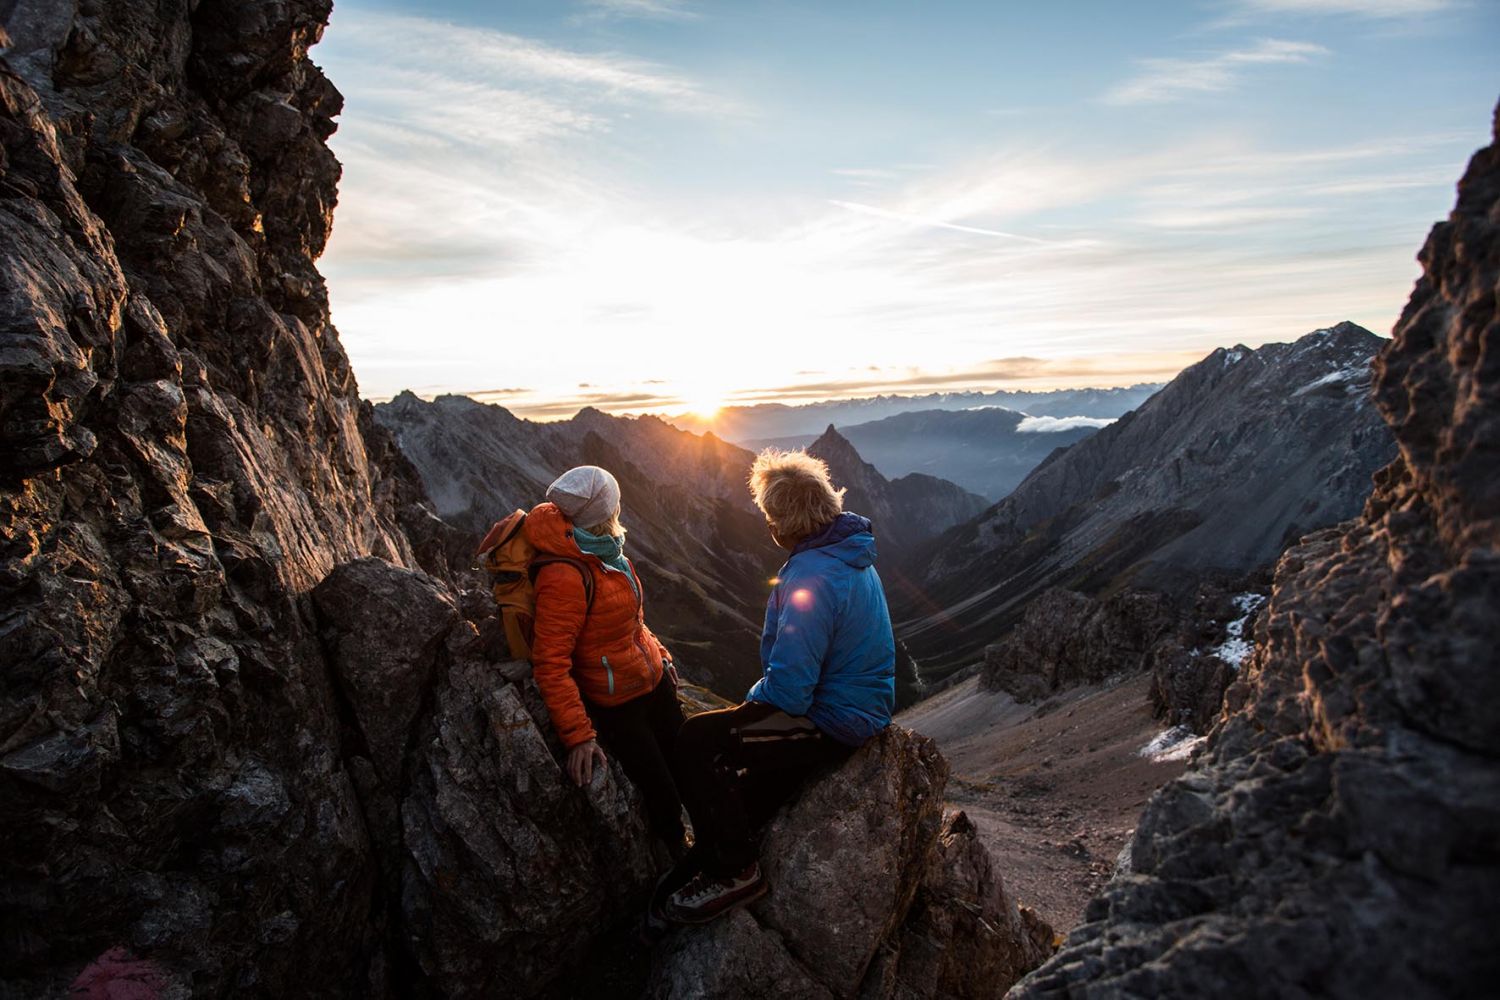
604, 675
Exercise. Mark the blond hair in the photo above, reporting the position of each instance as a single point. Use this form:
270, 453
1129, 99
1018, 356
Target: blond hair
609, 527
792, 489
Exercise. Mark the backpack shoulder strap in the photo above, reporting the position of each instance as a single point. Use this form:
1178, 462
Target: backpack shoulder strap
581, 567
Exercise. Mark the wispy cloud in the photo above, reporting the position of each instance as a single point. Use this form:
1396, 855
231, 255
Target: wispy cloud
487, 235
1050, 425
656, 10
1362, 8
881, 213
1163, 80
485, 58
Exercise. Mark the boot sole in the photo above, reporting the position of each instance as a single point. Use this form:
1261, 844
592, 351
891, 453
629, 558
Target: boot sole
678, 917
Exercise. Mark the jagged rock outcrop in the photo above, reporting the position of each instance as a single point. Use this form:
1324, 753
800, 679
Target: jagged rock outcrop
1216, 473
1068, 638
908, 512
823, 932
963, 937
497, 872
1339, 836
1192, 652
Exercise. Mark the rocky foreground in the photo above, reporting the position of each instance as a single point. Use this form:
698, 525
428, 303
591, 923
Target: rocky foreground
1341, 835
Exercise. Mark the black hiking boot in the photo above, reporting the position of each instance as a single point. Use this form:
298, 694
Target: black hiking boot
654, 924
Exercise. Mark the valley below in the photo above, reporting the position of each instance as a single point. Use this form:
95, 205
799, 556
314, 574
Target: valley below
1054, 789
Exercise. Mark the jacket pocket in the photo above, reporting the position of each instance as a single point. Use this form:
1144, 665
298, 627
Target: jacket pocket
609, 673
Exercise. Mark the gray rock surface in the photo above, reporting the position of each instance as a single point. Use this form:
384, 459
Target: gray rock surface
181, 460
825, 931
963, 937
1066, 638
1338, 838
1215, 474
1192, 651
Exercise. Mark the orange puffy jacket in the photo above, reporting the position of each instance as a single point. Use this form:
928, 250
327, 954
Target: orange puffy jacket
605, 653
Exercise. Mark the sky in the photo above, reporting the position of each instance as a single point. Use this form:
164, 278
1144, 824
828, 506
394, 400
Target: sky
675, 205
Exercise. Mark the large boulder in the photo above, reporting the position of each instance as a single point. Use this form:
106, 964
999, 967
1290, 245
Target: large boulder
963, 936
497, 873
1338, 838
845, 862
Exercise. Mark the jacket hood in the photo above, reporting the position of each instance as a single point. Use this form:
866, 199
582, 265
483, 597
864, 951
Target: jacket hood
551, 532
849, 538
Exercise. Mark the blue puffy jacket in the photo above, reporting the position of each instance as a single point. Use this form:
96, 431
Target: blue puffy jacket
827, 651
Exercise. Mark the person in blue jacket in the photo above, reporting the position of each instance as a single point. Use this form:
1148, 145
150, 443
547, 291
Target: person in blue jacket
828, 684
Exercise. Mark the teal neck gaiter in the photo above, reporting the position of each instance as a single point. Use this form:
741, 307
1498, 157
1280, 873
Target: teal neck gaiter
610, 550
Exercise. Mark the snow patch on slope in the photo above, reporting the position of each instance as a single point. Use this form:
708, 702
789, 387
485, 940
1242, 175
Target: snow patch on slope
1236, 649
1171, 744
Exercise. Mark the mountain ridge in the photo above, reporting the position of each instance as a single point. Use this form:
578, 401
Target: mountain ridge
1215, 472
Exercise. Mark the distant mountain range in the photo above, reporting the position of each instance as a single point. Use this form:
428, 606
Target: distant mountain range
1214, 473
747, 424
700, 545
987, 450
1240, 454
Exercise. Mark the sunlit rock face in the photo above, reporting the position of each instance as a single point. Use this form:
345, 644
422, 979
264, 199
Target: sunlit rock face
183, 455
1338, 838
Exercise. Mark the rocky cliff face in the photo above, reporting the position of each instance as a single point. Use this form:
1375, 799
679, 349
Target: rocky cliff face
1339, 836
1212, 476
184, 454
1192, 650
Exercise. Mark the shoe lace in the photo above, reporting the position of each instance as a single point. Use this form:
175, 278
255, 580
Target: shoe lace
702, 887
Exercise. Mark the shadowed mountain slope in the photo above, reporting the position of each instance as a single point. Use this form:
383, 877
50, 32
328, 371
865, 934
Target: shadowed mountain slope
1216, 473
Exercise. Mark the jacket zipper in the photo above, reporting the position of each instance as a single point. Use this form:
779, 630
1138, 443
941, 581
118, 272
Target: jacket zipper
608, 673
640, 622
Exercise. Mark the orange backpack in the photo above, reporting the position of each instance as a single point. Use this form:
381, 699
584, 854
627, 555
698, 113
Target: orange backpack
513, 563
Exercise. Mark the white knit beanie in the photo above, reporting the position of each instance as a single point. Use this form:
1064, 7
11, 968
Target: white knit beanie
587, 494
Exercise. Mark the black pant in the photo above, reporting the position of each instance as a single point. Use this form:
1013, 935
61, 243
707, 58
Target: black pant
642, 733
736, 767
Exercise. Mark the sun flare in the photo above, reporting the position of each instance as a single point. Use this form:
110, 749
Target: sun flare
706, 407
